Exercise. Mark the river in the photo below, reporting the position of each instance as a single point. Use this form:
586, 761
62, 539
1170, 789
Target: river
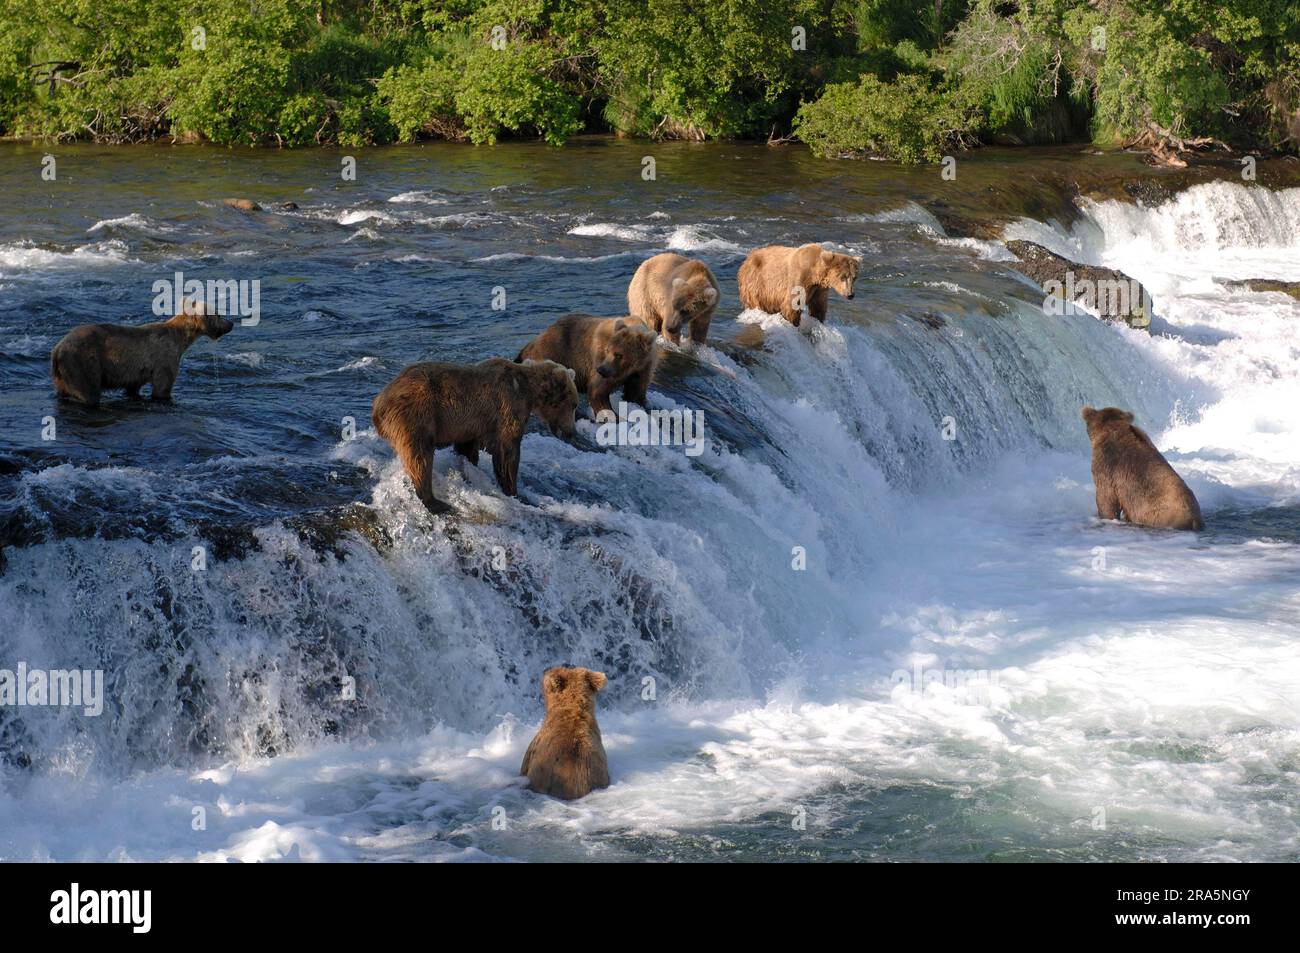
900, 495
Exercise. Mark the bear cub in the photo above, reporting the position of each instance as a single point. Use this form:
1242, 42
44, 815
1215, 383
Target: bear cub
567, 758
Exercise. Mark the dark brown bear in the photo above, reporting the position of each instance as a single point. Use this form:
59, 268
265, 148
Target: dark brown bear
604, 353
93, 358
567, 758
471, 408
1134, 482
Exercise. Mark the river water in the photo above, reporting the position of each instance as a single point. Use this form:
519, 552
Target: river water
1104, 692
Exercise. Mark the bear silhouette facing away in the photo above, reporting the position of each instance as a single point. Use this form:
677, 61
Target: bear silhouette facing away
604, 353
567, 758
471, 407
779, 279
93, 358
670, 291
1134, 482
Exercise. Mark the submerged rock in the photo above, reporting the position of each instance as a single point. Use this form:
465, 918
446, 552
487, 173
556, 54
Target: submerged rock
1112, 294
1291, 288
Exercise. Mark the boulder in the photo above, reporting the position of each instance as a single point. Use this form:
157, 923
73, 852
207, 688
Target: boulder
1112, 294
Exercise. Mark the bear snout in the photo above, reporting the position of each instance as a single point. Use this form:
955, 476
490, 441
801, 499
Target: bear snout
225, 327
604, 370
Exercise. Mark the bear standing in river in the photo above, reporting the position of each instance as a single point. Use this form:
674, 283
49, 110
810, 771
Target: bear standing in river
1132, 478
605, 354
93, 358
669, 291
471, 407
567, 758
790, 281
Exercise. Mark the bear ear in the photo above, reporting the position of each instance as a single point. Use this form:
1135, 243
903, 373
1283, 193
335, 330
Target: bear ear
554, 680
193, 307
620, 324
828, 256
573, 375
678, 282
1128, 415
710, 295
596, 681
1088, 413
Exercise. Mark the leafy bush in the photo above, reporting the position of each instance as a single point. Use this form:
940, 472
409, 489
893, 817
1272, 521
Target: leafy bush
905, 120
901, 78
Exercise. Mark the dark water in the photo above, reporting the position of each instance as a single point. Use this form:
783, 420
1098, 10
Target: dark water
644, 564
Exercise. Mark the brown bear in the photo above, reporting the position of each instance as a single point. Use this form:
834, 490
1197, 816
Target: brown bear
471, 407
781, 279
671, 290
605, 354
92, 358
1132, 478
243, 205
567, 758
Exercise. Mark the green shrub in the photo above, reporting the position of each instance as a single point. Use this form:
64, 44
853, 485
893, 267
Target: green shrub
905, 120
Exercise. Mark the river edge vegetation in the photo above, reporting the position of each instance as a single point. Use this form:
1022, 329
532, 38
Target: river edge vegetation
908, 80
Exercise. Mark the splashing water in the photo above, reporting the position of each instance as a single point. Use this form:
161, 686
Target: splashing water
920, 457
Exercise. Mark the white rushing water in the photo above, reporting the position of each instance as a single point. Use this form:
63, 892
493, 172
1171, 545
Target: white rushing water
1111, 692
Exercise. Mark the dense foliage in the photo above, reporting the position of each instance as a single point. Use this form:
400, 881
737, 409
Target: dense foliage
907, 79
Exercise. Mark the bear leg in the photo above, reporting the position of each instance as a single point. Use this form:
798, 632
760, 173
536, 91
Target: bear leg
700, 329
468, 450
80, 392
817, 299
161, 383
634, 389
1107, 505
417, 457
77, 381
598, 396
505, 464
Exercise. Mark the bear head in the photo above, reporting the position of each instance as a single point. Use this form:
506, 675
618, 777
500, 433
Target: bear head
837, 271
195, 316
629, 348
1097, 419
571, 688
551, 391
693, 297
